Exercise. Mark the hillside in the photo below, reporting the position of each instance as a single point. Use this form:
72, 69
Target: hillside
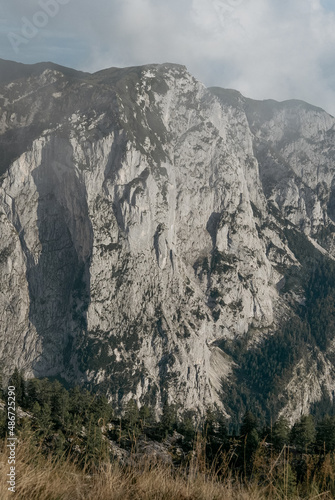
166, 242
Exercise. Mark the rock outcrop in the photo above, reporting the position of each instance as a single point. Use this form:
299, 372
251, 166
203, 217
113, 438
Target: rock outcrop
142, 221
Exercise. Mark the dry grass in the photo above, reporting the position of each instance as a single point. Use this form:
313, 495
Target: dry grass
41, 478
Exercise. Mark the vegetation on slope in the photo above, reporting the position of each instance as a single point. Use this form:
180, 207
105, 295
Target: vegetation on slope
263, 371
71, 444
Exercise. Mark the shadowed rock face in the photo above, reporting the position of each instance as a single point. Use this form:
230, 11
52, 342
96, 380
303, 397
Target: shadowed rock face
142, 221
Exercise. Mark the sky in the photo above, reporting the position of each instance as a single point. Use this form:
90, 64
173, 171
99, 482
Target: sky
278, 49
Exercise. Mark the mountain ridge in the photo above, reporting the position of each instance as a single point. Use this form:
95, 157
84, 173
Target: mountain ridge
147, 221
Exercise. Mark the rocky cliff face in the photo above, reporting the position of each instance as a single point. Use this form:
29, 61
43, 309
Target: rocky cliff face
143, 221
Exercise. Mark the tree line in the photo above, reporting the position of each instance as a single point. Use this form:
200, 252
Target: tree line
81, 424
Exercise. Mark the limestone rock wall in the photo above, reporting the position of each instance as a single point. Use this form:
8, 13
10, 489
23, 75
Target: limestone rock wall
139, 225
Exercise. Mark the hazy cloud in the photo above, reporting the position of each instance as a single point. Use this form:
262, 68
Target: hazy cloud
277, 49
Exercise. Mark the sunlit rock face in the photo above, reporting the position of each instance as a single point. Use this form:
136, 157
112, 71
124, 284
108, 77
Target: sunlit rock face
142, 221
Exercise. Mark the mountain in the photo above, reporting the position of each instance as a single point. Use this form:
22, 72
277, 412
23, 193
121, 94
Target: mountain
166, 242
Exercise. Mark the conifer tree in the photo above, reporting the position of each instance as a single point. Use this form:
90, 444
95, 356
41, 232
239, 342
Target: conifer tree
250, 438
249, 423
146, 416
168, 421
43, 420
280, 433
96, 446
303, 433
325, 434
132, 414
17, 380
60, 404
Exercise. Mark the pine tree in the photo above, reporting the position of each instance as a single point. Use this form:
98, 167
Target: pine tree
146, 416
169, 419
80, 402
96, 446
17, 380
31, 393
43, 419
250, 439
132, 414
280, 433
303, 433
249, 423
325, 434
215, 433
187, 427
60, 404
102, 410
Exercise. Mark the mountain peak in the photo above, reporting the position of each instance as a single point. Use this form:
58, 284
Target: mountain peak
158, 236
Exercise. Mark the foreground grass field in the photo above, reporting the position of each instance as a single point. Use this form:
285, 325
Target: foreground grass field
44, 478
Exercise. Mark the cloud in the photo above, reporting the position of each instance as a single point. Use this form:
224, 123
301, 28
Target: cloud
265, 48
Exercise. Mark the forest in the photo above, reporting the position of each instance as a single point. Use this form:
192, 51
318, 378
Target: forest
263, 371
82, 430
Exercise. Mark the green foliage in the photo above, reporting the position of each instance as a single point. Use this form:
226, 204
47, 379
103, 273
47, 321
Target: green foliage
169, 419
221, 263
320, 303
250, 439
96, 448
132, 423
249, 424
39, 391
17, 380
132, 414
146, 415
60, 403
186, 427
304, 250
303, 433
215, 433
281, 433
42, 422
63, 419
263, 371
325, 434
3, 424
77, 423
